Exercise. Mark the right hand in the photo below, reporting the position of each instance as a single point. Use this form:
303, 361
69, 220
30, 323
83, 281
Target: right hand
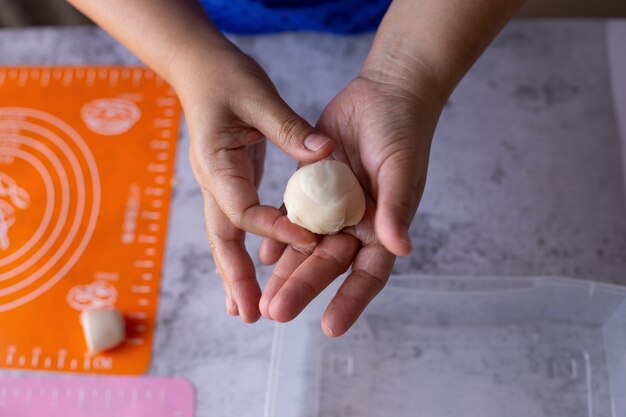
231, 106
383, 132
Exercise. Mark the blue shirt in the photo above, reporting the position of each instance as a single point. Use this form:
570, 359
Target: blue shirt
265, 16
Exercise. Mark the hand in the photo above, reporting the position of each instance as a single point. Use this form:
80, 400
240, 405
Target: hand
384, 133
231, 106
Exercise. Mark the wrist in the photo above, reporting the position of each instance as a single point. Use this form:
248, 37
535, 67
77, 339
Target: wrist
404, 76
199, 64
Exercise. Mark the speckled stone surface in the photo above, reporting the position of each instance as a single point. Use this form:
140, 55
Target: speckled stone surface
525, 179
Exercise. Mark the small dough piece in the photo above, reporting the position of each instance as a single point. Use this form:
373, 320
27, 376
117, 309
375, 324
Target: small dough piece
324, 197
104, 328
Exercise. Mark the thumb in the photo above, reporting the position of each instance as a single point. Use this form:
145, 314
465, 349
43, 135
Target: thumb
290, 132
400, 188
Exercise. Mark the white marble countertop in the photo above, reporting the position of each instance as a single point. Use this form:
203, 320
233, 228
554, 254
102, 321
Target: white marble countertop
525, 179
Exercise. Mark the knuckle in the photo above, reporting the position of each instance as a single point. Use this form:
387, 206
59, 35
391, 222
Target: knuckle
356, 299
233, 215
328, 257
238, 217
276, 228
375, 283
397, 155
228, 172
289, 130
306, 251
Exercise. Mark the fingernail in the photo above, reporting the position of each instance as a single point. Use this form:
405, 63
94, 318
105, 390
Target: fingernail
314, 142
328, 332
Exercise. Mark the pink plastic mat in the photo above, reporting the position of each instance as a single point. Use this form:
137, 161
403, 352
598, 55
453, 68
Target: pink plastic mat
95, 397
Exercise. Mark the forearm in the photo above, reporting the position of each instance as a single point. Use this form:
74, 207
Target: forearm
428, 45
160, 32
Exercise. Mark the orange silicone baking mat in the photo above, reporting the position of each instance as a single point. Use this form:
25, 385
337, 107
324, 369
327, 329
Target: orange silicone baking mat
86, 161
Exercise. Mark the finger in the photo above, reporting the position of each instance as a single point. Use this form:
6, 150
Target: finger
231, 306
331, 258
290, 132
227, 175
233, 263
369, 275
399, 189
288, 262
270, 251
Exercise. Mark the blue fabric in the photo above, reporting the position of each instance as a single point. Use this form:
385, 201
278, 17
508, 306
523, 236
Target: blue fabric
265, 16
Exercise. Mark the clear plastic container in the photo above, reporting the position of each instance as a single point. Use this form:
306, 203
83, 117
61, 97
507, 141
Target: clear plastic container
459, 347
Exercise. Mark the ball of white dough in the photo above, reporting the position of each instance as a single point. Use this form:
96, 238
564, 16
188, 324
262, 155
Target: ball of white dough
104, 329
324, 197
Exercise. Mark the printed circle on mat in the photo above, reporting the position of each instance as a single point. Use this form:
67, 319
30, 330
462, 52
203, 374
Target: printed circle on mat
110, 116
49, 202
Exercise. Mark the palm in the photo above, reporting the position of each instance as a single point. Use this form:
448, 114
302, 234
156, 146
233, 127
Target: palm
384, 136
375, 126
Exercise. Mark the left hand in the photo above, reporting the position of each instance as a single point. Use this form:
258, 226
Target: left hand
384, 133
